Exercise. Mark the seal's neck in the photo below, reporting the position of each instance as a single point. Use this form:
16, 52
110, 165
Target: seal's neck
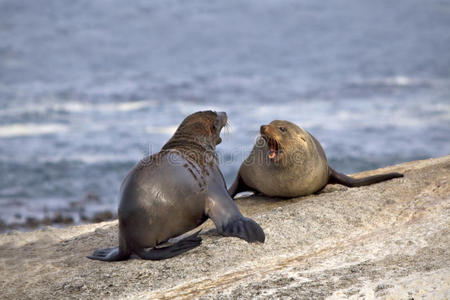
189, 142
197, 149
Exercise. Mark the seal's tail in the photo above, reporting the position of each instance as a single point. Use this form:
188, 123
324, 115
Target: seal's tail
178, 248
336, 177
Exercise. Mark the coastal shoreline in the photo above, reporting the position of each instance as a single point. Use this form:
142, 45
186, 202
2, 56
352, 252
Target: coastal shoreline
387, 240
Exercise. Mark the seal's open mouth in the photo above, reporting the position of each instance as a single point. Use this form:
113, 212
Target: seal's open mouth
274, 147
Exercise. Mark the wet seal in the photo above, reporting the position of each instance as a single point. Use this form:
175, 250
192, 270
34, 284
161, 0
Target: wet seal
287, 161
175, 190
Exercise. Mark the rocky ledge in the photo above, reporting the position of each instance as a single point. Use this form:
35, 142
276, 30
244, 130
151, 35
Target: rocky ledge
389, 240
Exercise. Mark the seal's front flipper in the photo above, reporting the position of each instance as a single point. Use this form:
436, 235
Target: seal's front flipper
239, 186
243, 228
178, 248
336, 177
109, 254
229, 221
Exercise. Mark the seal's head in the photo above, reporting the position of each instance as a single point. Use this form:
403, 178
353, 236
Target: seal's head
202, 128
281, 138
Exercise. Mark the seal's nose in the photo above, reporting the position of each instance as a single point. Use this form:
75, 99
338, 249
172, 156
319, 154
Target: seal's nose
263, 129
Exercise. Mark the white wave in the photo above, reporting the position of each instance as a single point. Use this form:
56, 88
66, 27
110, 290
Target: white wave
400, 81
106, 107
169, 130
136, 105
30, 129
99, 158
87, 158
78, 107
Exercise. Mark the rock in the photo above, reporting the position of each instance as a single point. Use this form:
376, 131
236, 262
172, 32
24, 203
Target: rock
389, 240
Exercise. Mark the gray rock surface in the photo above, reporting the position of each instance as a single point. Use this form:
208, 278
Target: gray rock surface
389, 240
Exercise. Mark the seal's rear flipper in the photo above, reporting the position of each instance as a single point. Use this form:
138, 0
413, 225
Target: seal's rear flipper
336, 177
243, 228
109, 254
178, 248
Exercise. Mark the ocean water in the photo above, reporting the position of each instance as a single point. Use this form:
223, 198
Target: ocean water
88, 88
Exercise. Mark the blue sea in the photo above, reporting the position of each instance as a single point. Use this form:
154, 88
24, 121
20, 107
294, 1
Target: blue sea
88, 88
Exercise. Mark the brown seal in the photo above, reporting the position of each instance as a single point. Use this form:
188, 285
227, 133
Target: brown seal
172, 192
287, 161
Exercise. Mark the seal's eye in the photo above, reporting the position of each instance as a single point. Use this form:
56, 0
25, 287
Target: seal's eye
282, 129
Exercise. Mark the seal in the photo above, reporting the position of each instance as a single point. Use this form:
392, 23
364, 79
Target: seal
175, 190
287, 161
